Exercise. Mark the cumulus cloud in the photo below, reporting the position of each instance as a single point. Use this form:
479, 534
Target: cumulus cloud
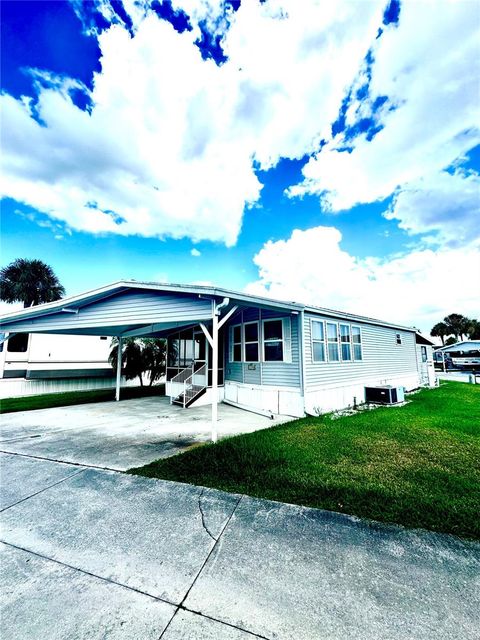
445, 205
195, 253
170, 142
417, 288
424, 81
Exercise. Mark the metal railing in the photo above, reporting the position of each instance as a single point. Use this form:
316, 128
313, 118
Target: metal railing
176, 383
194, 385
187, 384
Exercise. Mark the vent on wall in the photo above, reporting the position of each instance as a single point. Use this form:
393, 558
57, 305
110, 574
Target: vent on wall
385, 394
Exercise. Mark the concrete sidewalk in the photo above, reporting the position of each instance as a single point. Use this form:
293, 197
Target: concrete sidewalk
99, 554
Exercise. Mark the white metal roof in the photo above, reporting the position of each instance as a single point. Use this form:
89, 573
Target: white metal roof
87, 297
464, 345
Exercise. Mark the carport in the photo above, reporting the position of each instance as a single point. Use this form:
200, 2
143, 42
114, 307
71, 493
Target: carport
140, 309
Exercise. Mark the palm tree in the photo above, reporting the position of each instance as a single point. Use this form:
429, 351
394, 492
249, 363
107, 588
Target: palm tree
457, 325
140, 356
473, 329
133, 364
154, 354
29, 281
440, 330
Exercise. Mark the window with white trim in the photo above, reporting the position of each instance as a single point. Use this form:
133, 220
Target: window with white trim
236, 351
273, 350
345, 345
332, 342
18, 343
251, 341
318, 341
357, 343
398, 338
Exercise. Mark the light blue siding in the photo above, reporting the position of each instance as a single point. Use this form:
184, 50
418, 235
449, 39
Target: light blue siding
275, 374
382, 357
133, 308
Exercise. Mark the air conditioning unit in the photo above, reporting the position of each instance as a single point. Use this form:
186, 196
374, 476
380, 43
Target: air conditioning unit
385, 394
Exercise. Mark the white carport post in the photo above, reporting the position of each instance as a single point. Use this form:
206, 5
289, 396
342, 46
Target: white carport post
214, 373
119, 369
213, 342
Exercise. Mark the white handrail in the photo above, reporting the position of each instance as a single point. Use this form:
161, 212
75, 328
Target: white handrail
182, 375
190, 389
192, 382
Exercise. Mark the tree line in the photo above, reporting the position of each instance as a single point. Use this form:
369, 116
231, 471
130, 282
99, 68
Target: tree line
456, 327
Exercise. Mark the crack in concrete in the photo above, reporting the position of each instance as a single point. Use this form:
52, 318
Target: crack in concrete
204, 524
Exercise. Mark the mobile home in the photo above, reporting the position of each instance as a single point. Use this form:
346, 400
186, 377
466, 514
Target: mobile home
36, 363
254, 352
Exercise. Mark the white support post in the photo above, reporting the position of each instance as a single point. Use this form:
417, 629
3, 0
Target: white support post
119, 369
214, 372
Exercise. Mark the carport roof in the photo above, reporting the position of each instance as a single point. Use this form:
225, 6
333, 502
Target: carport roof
74, 303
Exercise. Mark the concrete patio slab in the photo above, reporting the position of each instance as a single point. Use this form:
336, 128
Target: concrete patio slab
148, 535
290, 572
120, 435
191, 626
22, 477
42, 599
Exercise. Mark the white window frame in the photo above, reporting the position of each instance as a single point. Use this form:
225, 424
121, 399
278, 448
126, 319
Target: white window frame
286, 339
337, 342
233, 343
324, 341
357, 326
398, 339
257, 341
349, 342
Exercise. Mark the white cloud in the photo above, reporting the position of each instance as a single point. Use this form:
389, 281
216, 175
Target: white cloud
428, 68
417, 288
195, 253
170, 143
445, 205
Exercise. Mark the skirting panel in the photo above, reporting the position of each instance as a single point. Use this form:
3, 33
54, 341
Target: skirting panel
323, 400
278, 401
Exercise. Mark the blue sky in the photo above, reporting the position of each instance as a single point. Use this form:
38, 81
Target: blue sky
332, 170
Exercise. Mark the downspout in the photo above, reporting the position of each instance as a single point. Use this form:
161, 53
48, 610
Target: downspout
301, 335
225, 302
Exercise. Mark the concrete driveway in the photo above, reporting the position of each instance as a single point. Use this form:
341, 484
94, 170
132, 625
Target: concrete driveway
120, 435
95, 554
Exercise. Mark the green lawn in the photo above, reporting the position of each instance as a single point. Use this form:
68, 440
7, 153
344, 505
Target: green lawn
47, 400
417, 465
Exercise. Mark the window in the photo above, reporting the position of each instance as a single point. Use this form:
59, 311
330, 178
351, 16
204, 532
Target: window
345, 342
318, 341
398, 338
236, 343
357, 343
273, 340
18, 343
251, 341
103, 338
424, 353
332, 340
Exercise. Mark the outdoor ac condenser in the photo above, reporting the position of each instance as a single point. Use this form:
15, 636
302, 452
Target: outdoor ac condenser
385, 394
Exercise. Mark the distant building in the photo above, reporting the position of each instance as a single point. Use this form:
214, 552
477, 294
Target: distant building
461, 355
